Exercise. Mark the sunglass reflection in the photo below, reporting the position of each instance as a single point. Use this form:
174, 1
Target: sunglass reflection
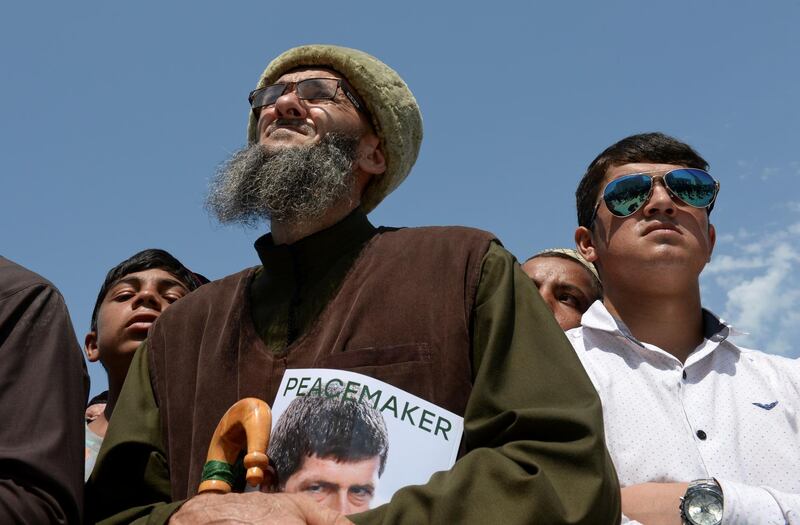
625, 195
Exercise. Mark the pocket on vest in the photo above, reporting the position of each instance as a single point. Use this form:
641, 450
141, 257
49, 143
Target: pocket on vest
407, 366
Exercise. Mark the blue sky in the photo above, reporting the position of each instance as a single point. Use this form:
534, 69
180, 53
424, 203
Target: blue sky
113, 117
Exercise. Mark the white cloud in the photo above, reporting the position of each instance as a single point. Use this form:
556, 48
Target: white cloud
757, 276
762, 297
760, 242
751, 168
754, 277
768, 172
727, 263
726, 238
793, 206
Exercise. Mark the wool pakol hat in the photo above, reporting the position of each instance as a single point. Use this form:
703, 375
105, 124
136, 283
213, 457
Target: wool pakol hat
395, 113
569, 253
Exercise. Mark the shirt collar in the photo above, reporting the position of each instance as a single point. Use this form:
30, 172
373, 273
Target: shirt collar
598, 317
319, 250
715, 329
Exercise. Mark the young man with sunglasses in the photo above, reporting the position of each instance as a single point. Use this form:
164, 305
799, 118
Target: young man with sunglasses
701, 430
443, 313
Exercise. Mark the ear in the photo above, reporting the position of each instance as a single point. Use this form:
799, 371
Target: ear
90, 347
585, 243
369, 158
712, 239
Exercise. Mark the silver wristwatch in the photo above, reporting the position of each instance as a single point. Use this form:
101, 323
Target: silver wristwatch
702, 503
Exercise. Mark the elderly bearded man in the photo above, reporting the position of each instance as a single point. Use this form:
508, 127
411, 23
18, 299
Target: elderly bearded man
443, 313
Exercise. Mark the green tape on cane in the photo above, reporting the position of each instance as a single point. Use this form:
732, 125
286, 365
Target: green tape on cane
218, 470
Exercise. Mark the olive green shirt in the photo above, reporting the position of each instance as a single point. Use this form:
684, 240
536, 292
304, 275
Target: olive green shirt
533, 431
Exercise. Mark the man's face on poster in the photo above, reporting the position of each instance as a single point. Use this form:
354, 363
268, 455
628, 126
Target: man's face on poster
346, 486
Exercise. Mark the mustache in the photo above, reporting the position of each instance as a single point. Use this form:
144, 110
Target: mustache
296, 123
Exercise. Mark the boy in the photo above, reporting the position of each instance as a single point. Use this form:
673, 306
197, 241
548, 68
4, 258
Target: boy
135, 292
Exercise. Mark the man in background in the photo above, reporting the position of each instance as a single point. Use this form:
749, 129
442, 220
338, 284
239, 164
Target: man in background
567, 282
43, 391
701, 430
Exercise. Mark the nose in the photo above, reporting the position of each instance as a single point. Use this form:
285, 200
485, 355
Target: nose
148, 298
660, 200
289, 105
342, 503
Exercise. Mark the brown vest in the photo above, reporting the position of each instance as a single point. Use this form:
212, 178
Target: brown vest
402, 315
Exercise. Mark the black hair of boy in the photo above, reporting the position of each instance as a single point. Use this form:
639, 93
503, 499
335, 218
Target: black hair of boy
149, 259
651, 148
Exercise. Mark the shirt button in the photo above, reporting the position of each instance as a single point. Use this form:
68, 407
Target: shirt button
701, 435
684, 374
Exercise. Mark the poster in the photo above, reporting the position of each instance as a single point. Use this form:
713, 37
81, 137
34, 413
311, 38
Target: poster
350, 441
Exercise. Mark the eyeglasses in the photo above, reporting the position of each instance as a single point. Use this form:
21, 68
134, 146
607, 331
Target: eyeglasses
306, 89
625, 195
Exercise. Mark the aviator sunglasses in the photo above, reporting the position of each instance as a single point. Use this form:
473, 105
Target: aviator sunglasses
625, 195
307, 89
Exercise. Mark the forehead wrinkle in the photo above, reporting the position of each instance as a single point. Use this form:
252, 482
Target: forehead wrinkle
572, 263
295, 75
664, 168
318, 72
130, 280
165, 283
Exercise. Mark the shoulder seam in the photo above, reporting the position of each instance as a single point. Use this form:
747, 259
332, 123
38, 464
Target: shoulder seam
41, 284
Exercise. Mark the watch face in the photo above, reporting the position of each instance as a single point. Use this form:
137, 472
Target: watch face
704, 509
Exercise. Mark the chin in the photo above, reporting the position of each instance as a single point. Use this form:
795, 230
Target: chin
131, 346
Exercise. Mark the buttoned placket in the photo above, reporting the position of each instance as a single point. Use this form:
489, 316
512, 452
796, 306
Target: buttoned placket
699, 421
678, 382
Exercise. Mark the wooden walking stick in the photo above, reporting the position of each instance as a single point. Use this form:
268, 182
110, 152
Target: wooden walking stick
245, 426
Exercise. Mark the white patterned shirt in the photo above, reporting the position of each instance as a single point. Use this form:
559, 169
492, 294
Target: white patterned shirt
729, 412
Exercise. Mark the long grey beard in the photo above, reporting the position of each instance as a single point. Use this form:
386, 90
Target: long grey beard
292, 185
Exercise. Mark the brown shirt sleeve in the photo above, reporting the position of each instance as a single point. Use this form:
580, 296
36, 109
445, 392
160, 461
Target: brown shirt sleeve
43, 389
533, 426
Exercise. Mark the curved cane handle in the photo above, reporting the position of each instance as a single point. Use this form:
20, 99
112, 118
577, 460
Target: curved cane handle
245, 426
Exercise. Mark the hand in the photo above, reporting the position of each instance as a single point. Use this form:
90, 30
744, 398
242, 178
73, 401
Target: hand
654, 503
256, 508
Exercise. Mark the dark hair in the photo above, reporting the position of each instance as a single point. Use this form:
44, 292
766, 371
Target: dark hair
146, 260
327, 427
656, 148
597, 285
